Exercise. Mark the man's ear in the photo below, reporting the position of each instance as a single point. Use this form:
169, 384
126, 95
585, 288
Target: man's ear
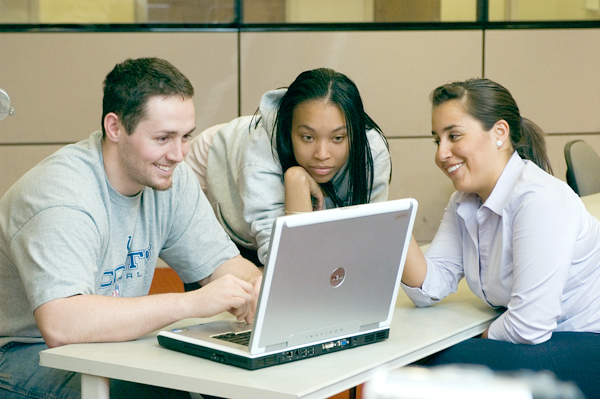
113, 127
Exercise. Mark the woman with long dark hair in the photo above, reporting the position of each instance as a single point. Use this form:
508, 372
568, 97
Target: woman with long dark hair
309, 147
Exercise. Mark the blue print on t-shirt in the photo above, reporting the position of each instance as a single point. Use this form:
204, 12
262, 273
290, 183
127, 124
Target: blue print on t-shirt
129, 270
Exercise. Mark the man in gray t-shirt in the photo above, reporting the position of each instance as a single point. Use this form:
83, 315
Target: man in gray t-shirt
81, 232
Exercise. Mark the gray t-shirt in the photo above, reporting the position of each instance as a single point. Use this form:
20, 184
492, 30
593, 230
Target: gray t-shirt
65, 231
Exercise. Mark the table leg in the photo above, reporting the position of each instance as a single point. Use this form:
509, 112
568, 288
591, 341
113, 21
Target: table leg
352, 393
94, 387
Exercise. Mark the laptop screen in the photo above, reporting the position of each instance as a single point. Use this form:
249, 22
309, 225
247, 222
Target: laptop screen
332, 272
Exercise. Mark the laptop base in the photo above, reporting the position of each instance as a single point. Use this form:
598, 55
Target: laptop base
248, 363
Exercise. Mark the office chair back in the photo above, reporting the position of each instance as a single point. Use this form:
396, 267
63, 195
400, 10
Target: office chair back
583, 167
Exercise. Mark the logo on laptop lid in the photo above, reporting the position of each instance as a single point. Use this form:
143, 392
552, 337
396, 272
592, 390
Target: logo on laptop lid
337, 277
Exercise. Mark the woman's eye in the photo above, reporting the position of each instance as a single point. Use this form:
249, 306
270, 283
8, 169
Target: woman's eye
338, 139
307, 138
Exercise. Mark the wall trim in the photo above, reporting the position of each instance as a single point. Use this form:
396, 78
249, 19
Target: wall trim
295, 27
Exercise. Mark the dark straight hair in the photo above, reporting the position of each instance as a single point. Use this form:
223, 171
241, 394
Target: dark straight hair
489, 102
129, 86
325, 84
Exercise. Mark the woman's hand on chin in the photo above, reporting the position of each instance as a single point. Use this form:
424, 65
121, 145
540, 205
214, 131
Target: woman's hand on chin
302, 192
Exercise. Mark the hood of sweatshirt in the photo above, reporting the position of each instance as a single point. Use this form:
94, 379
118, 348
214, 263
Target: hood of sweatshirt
269, 104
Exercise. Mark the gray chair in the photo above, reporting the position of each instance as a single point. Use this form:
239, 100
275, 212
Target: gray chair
583, 167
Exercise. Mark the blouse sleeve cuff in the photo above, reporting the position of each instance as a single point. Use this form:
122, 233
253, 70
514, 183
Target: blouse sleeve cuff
418, 296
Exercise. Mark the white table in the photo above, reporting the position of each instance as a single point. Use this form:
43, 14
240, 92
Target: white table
415, 334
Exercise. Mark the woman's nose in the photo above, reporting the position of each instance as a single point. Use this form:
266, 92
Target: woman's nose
322, 151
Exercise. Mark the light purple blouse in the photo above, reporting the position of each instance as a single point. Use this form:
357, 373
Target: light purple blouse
531, 248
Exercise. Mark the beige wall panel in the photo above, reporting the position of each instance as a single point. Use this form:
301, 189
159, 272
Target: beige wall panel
16, 160
55, 79
415, 174
553, 75
394, 71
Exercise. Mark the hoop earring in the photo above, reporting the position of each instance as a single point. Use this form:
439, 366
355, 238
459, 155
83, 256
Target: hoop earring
499, 143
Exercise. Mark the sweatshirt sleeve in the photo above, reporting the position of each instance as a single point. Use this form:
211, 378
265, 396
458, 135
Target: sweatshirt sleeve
381, 166
261, 190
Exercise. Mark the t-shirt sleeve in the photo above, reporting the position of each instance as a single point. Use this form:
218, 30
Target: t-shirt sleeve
196, 243
57, 254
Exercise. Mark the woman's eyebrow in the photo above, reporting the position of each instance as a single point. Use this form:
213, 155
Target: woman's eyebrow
304, 126
449, 127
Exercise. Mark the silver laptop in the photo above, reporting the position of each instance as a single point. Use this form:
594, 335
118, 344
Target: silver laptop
330, 284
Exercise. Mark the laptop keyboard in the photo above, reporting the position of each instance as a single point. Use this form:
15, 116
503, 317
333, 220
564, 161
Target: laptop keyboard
242, 338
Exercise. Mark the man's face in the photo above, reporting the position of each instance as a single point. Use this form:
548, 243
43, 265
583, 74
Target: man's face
149, 156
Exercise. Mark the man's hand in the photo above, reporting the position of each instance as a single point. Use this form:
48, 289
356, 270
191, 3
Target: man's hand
248, 278
227, 294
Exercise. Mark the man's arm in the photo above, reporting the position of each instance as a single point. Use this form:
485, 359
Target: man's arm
95, 318
238, 267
